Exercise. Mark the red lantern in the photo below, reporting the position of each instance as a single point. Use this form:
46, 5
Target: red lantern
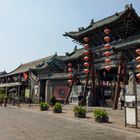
70, 76
69, 64
138, 75
86, 46
86, 71
107, 39
70, 70
138, 67
108, 68
86, 52
86, 58
107, 46
107, 31
69, 81
138, 59
86, 64
107, 53
86, 39
138, 51
107, 60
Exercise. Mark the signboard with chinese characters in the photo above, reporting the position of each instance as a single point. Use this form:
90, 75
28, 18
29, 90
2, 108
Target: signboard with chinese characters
130, 98
27, 93
131, 116
130, 110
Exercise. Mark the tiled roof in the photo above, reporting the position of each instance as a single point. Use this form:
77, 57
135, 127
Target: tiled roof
104, 22
130, 42
125, 45
3, 73
31, 65
56, 76
74, 55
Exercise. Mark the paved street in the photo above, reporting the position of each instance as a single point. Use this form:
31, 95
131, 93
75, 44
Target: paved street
21, 124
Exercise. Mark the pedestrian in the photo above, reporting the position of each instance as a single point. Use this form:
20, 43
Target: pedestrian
5, 102
80, 98
121, 99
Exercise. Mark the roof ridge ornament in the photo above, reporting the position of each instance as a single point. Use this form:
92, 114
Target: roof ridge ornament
81, 28
55, 54
92, 22
117, 14
75, 48
128, 7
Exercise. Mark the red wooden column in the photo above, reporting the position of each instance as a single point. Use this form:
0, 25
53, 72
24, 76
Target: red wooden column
119, 75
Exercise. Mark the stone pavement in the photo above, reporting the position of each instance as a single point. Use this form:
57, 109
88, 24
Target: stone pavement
32, 124
116, 117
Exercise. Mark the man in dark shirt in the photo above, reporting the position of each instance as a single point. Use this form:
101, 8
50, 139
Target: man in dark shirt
80, 98
5, 103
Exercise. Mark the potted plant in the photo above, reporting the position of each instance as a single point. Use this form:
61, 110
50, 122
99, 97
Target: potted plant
79, 112
57, 108
44, 106
101, 115
53, 100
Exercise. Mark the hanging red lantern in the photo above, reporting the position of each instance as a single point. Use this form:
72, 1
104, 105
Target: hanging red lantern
138, 51
138, 75
86, 64
86, 39
86, 52
107, 46
69, 81
69, 64
86, 58
86, 71
107, 53
138, 67
69, 76
107, 39
86, 46
138, 59
107, 31
108, 68
70, 70
107, 60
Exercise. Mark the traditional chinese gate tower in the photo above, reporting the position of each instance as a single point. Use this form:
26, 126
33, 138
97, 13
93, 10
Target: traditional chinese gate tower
125, 39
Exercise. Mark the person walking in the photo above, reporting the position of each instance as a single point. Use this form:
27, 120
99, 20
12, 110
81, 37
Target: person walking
80, 98
5, 102
121, 98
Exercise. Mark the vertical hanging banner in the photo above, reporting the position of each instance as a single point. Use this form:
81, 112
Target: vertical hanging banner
25, 76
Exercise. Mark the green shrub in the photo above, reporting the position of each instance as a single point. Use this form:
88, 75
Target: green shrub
44, 106
100, 113
57, 108
79, 109
53, 100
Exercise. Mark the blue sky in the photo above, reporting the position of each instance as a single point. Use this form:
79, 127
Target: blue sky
33, 29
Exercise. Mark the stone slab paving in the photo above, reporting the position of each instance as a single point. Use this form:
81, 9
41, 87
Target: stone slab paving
32, 124
116, 117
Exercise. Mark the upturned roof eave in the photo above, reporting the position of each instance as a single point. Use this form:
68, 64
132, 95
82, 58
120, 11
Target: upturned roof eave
101, 23
129, 42
27, 66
